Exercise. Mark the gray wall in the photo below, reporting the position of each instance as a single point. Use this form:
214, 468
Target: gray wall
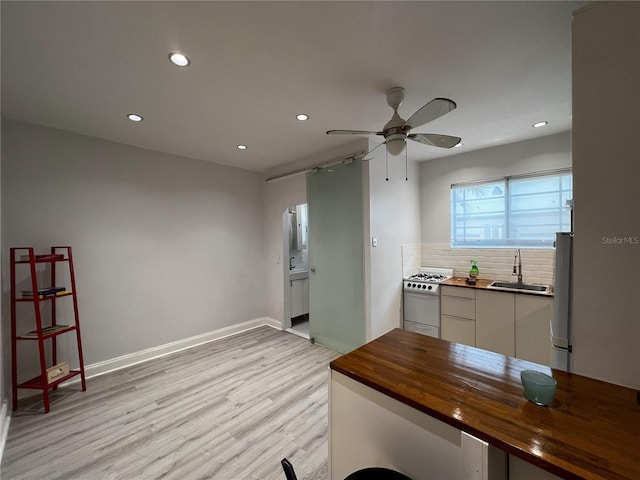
394, 219
436, 176
606, 166
162, 244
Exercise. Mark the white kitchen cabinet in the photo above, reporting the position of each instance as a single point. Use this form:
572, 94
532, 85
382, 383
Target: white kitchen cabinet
532, 317
495, 328
458, 330
299, 297
457, 314
513, 324
458, 301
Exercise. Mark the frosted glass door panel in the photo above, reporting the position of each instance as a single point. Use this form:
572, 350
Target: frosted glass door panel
336, 257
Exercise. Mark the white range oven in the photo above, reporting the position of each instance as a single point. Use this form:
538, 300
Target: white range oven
421, 300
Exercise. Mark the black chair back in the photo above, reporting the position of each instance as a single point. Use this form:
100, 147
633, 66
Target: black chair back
289, 472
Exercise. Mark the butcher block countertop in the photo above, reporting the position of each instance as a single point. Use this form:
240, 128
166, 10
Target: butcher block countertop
591, 430
482, 283
461, 282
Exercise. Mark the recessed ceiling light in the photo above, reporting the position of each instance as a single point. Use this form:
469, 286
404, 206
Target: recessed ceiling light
302, 117
242, 147
540, 124
134, 117
179, 59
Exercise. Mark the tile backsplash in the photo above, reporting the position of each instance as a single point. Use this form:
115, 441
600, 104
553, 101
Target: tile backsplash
494, 263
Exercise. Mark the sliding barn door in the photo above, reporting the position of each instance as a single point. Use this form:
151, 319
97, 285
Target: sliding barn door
336, 257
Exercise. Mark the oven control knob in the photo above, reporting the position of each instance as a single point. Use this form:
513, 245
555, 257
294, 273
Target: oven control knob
413, 285
430, 287
424, 286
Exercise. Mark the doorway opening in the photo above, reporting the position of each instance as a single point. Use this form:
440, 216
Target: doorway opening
300, 326
296, 270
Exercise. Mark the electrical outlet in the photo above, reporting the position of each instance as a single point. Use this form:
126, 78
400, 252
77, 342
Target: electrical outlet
374, 241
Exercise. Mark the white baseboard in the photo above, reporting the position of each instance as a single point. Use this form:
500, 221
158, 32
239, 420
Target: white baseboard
128, 360
5, 419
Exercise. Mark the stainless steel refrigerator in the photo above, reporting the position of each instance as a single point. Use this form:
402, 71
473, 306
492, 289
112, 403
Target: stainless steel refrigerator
561, 346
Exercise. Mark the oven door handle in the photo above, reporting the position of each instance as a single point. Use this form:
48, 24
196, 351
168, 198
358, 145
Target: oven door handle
422, 294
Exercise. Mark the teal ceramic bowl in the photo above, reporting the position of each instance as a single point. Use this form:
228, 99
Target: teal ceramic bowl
538, 387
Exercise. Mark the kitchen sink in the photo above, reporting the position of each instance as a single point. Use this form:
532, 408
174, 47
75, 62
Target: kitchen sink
298, 274
514, 286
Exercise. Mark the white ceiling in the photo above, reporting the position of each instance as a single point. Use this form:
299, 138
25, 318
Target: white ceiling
82, 66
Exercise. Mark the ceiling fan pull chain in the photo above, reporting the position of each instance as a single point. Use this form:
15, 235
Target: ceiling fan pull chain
406, 165
386, 160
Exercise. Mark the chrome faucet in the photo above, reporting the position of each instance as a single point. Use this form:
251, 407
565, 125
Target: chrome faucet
517, 265
291, 263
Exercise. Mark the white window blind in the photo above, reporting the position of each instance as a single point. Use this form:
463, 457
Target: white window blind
522, 211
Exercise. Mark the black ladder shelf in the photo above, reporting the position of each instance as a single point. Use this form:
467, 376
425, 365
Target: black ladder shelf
38, 296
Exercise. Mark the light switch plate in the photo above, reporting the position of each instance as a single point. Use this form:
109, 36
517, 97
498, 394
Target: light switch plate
374, 241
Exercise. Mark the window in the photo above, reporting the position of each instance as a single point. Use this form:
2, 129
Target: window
517, 211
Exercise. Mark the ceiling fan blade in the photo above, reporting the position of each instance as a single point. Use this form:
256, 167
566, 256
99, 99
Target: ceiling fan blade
429, 112
367, 159
435, 140
352, 132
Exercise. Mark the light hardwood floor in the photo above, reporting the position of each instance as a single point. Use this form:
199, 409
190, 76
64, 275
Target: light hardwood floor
227, 410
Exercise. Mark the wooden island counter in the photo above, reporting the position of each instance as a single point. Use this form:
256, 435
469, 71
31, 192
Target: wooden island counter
591, 430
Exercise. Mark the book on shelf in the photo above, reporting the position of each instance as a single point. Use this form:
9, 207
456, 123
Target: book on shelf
46, 256
51, 295
45, 331
45, 292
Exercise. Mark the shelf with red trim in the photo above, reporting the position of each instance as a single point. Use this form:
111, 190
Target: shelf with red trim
46, 332
37, 383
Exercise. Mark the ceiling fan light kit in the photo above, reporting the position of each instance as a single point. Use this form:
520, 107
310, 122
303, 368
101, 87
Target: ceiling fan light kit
397, 130
395, 146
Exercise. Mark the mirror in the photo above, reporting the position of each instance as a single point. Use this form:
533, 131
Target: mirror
298, 227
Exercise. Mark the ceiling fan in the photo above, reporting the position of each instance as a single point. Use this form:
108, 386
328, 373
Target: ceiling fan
397, 130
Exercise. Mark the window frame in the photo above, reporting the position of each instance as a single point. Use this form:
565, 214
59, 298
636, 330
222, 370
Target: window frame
505, 182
